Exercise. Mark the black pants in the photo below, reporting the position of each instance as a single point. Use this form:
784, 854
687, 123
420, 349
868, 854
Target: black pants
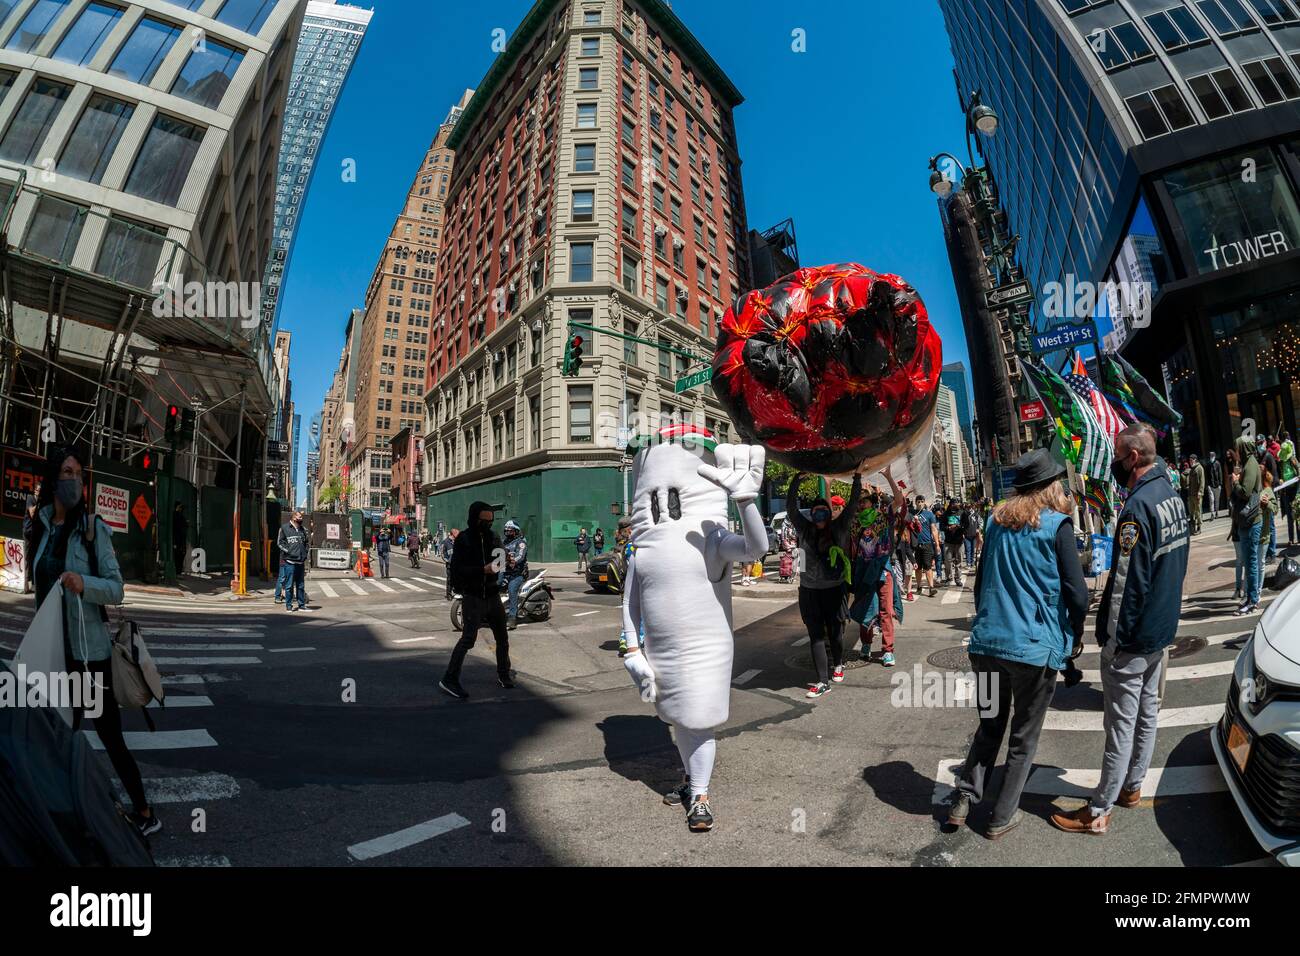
178, 557
108, 725
1288, 497
446, 570
479, 612
1006, 691
822, 610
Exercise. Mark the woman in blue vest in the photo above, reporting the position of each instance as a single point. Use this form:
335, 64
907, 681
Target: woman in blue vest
1030, 603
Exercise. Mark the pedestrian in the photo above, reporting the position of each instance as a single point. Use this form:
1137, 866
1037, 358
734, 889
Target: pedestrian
1136, 623
1286, 463
824, 578
1195, 493
474, 569
926, 539
973, 529
293, 545
954, 546
413, 549
180, 537
383, 547
1268, 502
583, 543
1030, 605
598, 541
1268, 462
516, 571
445, 551
75, 548
902, 534
1247, 523
1214, 478
877, 594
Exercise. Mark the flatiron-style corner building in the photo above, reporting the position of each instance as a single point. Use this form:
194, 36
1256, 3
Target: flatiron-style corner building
597, 180
1157, 140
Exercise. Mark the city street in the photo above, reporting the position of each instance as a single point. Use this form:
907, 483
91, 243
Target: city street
568, 768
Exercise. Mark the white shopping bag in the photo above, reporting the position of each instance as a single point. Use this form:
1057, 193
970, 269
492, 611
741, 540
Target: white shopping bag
41, 650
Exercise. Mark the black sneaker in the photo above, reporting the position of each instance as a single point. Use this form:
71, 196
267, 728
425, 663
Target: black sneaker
959, 809
700, 819
1245, 609
506, 682
146, 825
511, 624
678, 795
453, 688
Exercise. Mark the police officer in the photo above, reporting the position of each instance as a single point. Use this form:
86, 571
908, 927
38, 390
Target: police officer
516, 569
1137, 621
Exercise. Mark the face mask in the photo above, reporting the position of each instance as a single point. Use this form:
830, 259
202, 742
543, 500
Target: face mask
820, 515
68, 491
1121, 471
485, 525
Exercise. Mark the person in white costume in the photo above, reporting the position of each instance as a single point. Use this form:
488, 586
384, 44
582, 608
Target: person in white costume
679, 586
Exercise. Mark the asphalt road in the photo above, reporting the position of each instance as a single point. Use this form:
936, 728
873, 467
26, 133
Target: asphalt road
320, 738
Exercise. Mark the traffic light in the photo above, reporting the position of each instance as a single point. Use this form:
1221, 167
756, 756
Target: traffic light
187, 428
170, 428
147, 460
572, 356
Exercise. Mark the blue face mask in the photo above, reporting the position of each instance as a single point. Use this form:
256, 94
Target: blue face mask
821, 515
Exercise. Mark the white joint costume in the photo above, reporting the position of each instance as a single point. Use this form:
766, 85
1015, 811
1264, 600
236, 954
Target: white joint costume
679, 579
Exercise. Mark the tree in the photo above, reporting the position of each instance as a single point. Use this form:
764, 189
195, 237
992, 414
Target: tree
336, 492
779, 476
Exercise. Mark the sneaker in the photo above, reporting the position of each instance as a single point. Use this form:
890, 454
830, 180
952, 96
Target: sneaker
910, 597
996, 831
622, 647
279, 600
288, 607
303, 607
506, 682
933, 592
820, 689
453, 688
700, 819
959, 809
678, 795
837, 675
146, 825
1245, 609
887, 659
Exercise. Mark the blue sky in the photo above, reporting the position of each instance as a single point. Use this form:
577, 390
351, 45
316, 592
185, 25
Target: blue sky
837, 137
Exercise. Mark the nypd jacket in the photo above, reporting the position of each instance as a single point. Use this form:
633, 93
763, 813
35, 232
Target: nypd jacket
1144, 593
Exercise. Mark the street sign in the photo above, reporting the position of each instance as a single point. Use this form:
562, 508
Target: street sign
1063, 337
21, 474
1032, 411
111, 504
141, 512
695, 378
1005, 296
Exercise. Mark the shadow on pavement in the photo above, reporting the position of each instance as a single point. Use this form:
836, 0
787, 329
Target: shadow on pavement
640, 748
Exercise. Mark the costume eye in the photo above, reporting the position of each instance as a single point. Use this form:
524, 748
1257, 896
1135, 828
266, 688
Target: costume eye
654, 506
674, 504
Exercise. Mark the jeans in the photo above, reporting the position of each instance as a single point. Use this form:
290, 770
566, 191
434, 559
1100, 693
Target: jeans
1272, 538
953, 554
1006, 692
1248, 562
383, 564
938, 559
1130, 686
512, 589
477, 612
297, 579
970, 552
282, 581
1214, 501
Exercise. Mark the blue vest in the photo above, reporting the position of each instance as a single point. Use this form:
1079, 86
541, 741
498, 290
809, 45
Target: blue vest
1021, 617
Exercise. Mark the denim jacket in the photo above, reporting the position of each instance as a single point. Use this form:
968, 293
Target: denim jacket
97, 591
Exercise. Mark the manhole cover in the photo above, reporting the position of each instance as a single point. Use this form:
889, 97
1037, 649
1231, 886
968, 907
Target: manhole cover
1185, 646
950, 659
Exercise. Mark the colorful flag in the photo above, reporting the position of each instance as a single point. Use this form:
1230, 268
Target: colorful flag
1083, 386
1130, 393
1076, 422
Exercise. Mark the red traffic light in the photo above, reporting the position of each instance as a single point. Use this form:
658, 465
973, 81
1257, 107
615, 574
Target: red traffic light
172, 411
146, 461
577, 341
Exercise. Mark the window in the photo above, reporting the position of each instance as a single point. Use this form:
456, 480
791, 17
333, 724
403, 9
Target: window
631, 274
144, 51
1272, 80
26, 132
584, 158
661, 293
163, 164
580, 419
207, 74
130, 253
580, 262
36, 25
1227, 16
588, 78
1232, 89
534, 422
54, 228
590, 46
630, 327
629, 221
584, 203
591, 18
629, 96
1273, 11
1172, 105
246, 15
665, 358
679, 255
586, 116
629, 173
629, 132
94, 138
80, 44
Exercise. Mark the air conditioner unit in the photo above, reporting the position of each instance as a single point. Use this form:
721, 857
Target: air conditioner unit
462, 298
475, 282
513, 286
683, 295
505, 245
660, 231
678, 242
541, 212
500, 356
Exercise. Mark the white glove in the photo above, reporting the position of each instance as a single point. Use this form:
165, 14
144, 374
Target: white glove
642, 675
739, 470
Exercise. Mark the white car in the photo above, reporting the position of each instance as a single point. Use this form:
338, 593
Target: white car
1257, 742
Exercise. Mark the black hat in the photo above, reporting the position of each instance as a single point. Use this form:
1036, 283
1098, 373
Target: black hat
1036, 468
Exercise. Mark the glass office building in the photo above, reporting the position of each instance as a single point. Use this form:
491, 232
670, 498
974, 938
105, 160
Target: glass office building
327, 46
1157, 139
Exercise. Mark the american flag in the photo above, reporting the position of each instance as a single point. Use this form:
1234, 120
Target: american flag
1078, 380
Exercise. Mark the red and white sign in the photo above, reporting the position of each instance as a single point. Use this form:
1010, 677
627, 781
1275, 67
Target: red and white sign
1032, 411
113, 505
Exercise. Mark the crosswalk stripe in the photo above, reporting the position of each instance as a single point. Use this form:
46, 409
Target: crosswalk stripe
1056, 782
182, 630
1211, 640
408, 585
951, 597
207, 661
370, 849
194, 789
204, 647
178, 701
1190, 672
742, 679
193, 861
380, 585
182, 679
586, 613
289, 650
159, 739
411, 640
801, 642
329, 591
1169, 717
356, 588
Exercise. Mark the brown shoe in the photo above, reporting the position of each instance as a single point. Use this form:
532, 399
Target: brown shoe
1081, 821
1128, 799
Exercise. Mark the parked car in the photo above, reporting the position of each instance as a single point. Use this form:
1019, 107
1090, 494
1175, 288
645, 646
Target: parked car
1257, 741
605, 572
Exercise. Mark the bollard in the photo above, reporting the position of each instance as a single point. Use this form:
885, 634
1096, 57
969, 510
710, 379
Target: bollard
241, 582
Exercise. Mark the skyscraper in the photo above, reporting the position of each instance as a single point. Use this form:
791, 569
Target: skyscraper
328, 44
954, 376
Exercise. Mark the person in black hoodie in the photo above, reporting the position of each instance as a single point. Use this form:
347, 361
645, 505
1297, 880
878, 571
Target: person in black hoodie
474, 566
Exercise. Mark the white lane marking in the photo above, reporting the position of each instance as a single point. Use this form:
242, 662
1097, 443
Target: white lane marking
182, 679
207, 661
801, 642
1056, 782
199, 860
951, 597
329, 591
1169, 717
370, 849
290, 650
380, 585
195, 789
180, 630
204, 647
586, 614
1211, 640
745, 678
411, 640
175, 701
356, 588
1190, 672
432, 580
408, 585
159, 739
